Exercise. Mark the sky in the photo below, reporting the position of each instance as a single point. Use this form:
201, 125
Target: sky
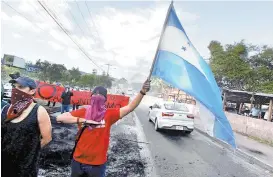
125, 34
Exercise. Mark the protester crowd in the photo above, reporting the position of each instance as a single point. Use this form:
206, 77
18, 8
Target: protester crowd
26, 128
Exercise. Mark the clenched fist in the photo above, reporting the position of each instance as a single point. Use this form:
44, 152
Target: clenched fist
146, 86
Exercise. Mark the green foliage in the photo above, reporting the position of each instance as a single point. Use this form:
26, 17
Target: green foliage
50, 72
87, 80
6, 70
235, 69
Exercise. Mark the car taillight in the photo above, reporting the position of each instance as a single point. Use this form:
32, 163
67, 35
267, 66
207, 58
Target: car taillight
167, 114
190, 116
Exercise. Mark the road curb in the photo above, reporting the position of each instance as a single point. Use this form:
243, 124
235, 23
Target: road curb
238, 152
151, 170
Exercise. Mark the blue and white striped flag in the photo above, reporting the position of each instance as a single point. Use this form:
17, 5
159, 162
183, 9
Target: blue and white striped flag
178, 63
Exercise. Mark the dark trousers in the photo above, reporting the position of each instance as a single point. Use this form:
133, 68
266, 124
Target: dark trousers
65, 108
75, 107
48, 104
84, 170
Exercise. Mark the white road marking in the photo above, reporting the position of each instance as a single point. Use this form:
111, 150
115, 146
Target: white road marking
145, 151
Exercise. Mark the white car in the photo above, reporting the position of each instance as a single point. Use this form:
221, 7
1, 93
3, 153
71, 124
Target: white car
171, 115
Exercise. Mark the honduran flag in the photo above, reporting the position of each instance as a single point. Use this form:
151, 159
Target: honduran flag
178, 63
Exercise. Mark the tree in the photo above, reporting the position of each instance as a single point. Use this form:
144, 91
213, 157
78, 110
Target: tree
50, 72
75, 72
75, 75
105, 81
56, 72
229, 65
66, 78
44, 70
6, 70
235, 69
262, 70
87, 80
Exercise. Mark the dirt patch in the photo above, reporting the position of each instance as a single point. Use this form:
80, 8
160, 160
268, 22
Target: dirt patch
124, 158
55, 158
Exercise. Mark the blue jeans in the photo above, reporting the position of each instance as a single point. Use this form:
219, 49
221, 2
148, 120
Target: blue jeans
81, 170
65, 108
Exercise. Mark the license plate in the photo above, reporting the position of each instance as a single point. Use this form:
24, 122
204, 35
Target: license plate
179, 128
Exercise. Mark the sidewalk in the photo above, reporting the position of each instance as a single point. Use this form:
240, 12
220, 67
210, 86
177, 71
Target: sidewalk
249, 147
259, 150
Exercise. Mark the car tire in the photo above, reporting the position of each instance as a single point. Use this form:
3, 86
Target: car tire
188, 132
156, 125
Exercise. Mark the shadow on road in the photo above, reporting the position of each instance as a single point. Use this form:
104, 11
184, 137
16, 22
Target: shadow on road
173, 135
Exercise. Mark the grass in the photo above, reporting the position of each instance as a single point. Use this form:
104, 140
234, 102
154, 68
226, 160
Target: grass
270, 143
260, 140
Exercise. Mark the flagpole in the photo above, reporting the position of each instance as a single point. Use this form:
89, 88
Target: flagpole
160, 39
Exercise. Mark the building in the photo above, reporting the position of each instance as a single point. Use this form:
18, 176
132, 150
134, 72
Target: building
240, 98
14, 61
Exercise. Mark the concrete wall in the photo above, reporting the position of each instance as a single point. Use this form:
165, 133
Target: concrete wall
250, 126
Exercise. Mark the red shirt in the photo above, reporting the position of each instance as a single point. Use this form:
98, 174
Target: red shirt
93, 144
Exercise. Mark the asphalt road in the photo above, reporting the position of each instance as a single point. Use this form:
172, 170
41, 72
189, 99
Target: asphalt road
194, 155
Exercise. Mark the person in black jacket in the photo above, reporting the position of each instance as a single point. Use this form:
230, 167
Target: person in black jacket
66, 96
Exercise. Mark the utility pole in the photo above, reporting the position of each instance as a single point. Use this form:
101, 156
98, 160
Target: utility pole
108, 68
109, 65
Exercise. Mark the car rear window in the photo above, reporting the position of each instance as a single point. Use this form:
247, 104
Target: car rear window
176, 107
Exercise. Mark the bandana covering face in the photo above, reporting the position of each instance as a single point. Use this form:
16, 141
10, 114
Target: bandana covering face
19, 102
96, 110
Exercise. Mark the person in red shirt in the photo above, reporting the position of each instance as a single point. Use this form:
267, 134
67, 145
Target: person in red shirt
95, 121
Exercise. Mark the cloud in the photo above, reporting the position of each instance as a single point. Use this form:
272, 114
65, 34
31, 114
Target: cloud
134, 34
4, 16
55, 45
127, 38
57, 8
16, 35
73, 53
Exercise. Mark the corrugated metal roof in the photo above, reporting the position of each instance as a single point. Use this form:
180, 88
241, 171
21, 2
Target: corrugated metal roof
258, 94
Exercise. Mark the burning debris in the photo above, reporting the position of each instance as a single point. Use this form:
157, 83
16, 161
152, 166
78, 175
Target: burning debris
124, 157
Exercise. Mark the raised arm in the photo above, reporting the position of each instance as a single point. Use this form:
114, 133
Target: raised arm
132, 105
68, 118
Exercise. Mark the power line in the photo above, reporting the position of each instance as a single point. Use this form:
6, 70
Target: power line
83, 17
76, 22
34, 24
92, 19
65, 31
38, 12
51, 34
23, 15
83, 33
